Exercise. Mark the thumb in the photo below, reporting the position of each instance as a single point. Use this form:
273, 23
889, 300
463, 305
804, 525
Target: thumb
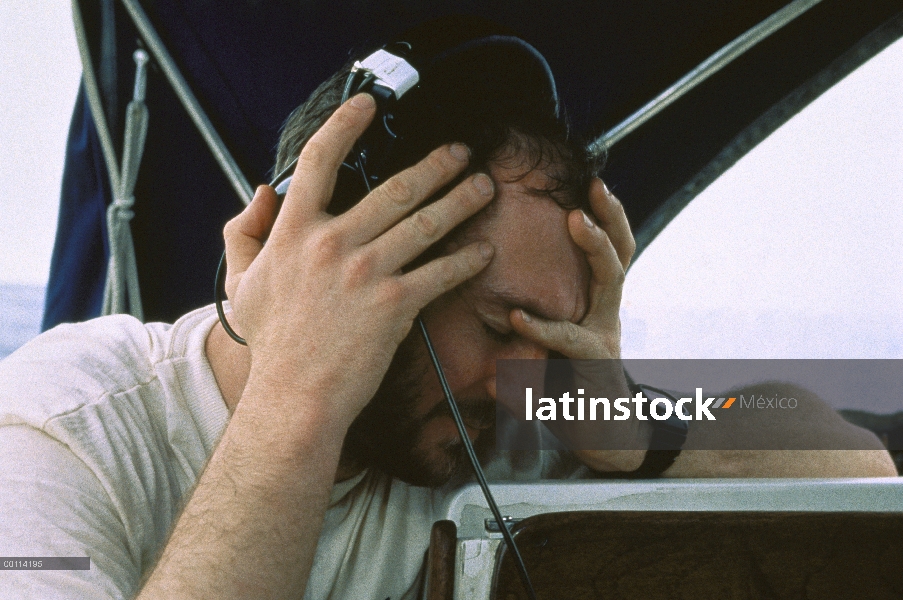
246, 233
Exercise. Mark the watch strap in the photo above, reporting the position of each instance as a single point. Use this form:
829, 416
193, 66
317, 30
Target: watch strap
668, 437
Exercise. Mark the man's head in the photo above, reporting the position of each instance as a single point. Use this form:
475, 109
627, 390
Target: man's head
407, 430
478, 85
540, 173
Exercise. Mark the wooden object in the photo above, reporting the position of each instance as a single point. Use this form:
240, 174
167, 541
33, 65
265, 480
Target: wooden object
699, 555
440, 561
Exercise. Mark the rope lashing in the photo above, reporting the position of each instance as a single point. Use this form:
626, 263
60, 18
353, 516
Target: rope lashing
122, 293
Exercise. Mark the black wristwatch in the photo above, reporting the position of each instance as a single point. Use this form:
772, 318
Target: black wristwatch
668, 437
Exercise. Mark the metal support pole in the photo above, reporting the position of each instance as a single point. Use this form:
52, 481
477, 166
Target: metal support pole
706, 69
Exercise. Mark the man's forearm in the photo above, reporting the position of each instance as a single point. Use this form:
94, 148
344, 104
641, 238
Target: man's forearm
704, 454
863, 456
251, 526
783, 463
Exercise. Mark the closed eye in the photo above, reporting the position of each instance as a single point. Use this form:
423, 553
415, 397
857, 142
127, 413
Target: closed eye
497, 336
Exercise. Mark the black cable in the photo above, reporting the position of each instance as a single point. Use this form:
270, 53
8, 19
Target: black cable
453, 408
219, 296
475, 463
358, 153
219, 287
284, 173
219, 293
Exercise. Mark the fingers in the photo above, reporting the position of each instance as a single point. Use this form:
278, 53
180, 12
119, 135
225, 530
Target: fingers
314, 178
607, 279
598, 335
425, 284
246, 233
572, 340
408, 239
609, 249
400, 194
610, 213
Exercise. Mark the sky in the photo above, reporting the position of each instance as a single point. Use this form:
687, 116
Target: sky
796, 251
39, 76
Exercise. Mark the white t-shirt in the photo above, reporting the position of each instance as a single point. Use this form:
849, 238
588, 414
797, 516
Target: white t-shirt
106, 426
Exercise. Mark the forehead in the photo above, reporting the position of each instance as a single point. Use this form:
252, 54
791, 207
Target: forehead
536, 266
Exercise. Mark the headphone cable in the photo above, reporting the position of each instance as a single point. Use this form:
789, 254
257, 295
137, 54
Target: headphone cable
475, 463
219, 296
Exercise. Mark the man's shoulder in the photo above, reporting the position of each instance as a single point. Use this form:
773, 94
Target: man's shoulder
74, 365
105, 428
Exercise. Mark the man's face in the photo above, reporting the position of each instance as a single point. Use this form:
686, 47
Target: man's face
407, 430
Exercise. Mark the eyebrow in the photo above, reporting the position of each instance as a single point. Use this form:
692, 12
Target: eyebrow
510, 299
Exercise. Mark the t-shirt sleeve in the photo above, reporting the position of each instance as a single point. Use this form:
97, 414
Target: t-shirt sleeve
52, 505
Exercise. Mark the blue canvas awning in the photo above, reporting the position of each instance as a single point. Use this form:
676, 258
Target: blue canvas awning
249, 63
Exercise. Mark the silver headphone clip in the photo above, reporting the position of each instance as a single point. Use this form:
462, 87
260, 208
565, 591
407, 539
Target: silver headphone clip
390, 71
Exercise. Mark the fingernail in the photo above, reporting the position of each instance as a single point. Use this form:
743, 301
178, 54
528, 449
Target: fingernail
483, 184
525, 316
362, 101
587, 221
486, 250
460, 151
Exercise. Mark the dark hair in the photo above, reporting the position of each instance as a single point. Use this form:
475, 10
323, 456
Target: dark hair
495, 129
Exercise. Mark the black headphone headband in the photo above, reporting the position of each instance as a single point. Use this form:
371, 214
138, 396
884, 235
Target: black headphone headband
470, 74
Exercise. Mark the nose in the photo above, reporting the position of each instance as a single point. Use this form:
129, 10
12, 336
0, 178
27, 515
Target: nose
518, 349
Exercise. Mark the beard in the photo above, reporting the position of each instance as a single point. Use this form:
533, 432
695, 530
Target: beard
389, 436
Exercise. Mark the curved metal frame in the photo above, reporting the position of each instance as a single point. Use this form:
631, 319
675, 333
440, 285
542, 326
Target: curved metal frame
767, 124
706, 69
653, 226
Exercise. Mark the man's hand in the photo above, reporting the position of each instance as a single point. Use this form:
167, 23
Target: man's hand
325, 303
609, 247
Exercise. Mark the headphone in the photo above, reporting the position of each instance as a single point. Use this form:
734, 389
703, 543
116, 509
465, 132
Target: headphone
429, 86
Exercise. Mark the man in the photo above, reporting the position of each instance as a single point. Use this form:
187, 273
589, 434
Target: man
296, 465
